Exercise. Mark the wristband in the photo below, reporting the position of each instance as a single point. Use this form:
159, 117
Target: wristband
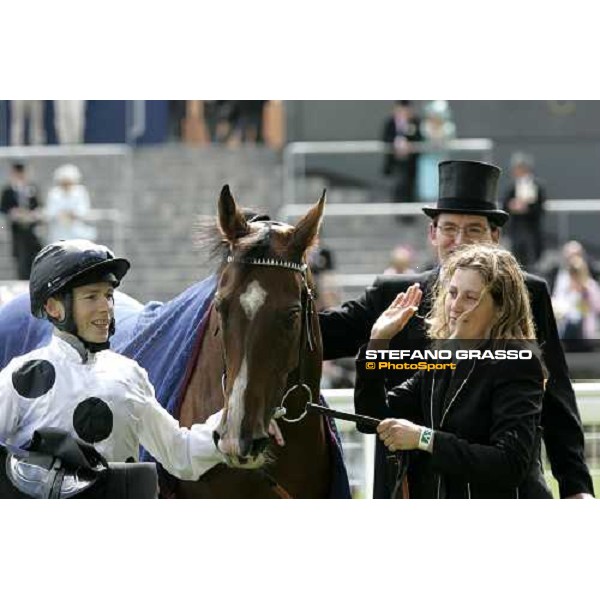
425, 438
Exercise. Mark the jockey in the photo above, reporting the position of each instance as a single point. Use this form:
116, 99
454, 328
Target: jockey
77, 384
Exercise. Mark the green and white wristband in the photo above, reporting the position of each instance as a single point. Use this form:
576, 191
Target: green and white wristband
426, 439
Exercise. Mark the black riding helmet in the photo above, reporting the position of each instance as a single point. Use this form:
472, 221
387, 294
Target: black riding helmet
61, 266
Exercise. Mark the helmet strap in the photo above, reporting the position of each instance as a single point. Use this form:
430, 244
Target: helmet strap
67, 324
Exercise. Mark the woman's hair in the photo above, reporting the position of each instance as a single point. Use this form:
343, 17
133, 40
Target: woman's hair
578, 268
502, 279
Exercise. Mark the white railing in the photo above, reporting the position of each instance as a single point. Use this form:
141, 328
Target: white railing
361, 209
295, 153
359, 449
64, 150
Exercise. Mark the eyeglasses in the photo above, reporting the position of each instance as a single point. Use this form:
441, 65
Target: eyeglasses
471, 232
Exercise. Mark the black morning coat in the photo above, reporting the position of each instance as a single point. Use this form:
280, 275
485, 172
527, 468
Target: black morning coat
24, 231
347, 328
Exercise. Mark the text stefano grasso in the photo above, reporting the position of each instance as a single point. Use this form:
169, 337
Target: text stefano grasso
498, 354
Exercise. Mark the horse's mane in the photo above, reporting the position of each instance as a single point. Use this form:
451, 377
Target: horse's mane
209, 239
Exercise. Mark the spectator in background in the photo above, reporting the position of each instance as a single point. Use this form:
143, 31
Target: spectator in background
21, 207
400, 130
68, 206
401, 260
211, 108
524, 201
69, 121
437, 127
250, 124
576, 303
224, 114
177, 113
21, 111
559, 272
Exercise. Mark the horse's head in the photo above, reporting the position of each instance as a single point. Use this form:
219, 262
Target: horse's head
268, 326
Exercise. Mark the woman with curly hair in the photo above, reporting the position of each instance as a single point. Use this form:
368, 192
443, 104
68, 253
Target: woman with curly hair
474, 428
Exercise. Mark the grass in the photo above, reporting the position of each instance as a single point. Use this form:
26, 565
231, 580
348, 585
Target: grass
554, 485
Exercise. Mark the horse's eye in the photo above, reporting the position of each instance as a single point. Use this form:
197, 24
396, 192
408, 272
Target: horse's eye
292, 316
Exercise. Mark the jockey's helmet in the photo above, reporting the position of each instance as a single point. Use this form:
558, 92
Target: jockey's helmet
61, 266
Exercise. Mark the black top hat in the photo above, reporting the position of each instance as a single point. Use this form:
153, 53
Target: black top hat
468, 187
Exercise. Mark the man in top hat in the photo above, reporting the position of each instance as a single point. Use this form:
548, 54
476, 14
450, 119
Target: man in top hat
467, 213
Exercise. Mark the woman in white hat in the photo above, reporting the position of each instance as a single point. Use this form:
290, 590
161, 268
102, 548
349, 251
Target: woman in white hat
68, 206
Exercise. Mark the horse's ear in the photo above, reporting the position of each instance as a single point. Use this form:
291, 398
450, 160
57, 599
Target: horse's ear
307, 228
231, 220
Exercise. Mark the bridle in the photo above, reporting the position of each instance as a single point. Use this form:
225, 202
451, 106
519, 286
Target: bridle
307, 338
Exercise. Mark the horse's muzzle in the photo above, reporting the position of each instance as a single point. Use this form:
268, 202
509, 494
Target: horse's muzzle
244, 453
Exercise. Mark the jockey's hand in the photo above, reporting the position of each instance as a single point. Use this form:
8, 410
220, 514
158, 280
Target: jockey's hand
275, 433
397, 315
581, 496
399, 434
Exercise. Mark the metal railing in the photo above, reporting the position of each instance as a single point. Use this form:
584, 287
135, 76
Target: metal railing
361, 209
295, 153
359, 449
67, 151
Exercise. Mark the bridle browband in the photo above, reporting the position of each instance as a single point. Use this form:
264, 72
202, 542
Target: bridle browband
307, 333
270, 262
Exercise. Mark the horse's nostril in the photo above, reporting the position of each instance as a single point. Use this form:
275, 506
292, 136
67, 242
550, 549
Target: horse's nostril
259, 445
245, 447
253, 448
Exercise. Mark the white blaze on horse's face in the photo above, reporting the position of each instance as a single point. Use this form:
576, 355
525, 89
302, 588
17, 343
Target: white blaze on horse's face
252, 299
235, 412
229, 444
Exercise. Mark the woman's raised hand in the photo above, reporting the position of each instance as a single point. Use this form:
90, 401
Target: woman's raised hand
398, 314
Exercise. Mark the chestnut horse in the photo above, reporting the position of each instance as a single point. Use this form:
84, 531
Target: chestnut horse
261, 359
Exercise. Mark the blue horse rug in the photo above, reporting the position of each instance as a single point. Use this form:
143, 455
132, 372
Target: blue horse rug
161, 337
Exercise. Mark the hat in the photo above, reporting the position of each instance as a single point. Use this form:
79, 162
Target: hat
438, 108
468, 187
522, 159
67, 173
